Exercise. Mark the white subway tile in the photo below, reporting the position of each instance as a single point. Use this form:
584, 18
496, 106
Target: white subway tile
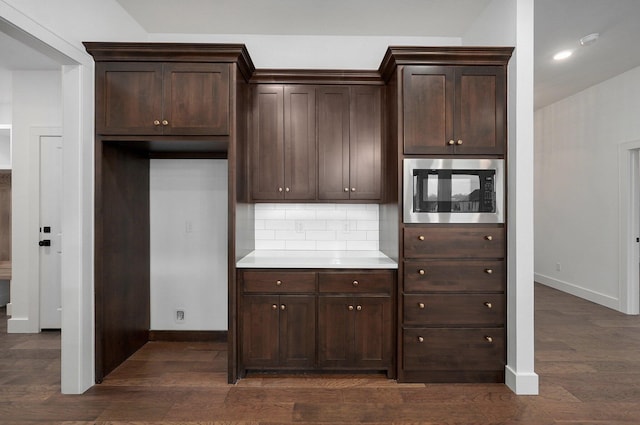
265, 234
300, 214
279, 224
270, 214
289, 235
333, 214
270, 245
321, 235
352, 236
373, 235
301, 245
340, 225
262, 207
331, 245
307, 225
362, 245
363, 214
259, 224
367, 225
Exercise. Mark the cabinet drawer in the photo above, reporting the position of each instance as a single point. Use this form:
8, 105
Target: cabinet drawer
461, 349
454, 309
454, 276
454, 242
358, 282
279, 282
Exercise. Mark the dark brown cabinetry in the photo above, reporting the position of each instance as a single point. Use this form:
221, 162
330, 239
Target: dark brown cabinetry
454, 303
355, 331
355, 322
283, 143
454, 110
349, 143
153, 98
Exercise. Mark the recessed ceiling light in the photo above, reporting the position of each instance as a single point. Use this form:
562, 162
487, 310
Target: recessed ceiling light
562, 55
589, 39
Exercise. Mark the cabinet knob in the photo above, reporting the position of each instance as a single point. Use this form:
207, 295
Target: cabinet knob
346, 189
420, 339
421, 305
274, 307
459, 142
421, 272
283, 307
350, 308
420, 238
156, 122
488, 339
451, 142
489, 237
286, 189
359, 308
488, 304
279, 189
488, 271
278, 282
353, 189
355, 283
165, 122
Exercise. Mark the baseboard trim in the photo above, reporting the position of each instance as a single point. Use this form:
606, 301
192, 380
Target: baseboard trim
521, 383
587, 294
188, 336
21, 325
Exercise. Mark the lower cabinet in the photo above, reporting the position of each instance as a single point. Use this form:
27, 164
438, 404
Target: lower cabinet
317, 320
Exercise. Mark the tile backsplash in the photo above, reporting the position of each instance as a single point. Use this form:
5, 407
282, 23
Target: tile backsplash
317, 227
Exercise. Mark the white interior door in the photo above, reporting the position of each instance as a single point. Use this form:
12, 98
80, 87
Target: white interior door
50, 231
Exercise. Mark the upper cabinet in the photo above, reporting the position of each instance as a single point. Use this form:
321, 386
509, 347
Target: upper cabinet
454, 110
349, 143
155, 98
283, 142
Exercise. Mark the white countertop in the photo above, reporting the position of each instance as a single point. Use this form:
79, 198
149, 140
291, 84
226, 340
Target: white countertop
317, 260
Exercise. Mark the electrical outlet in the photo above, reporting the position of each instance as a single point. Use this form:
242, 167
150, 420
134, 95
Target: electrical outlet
558, 267
180, 316
299, 227
188, 226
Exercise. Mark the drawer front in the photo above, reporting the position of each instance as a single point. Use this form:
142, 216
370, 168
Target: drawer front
278, 282
356, 282
461, 349
454, 242
454, 309
454, 276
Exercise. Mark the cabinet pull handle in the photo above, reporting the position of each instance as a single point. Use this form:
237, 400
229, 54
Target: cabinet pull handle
420, 339
489, 237
283, 307
286, 189
359, 308
279, 189
488, 271
274, 307
346, 189
156, 122
353, 189
350, 308
278, 282
355, 283
452, 142
488, 304
420, 305
421, 272
459, 142
420, 238
165, 122
489, 339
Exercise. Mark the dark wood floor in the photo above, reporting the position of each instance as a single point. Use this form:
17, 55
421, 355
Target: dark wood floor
588, 359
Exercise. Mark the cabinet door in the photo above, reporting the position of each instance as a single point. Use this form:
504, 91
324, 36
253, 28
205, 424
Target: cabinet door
335, 331
365, 143
196, 99
260, 331
428, 109
297, 331
267, 143
333, 143
300, 143
373, 335
480, 124
128, 98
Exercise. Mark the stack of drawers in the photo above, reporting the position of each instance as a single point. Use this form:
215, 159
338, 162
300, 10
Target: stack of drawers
453, 304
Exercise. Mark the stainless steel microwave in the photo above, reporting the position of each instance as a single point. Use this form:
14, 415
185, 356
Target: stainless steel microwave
453, 190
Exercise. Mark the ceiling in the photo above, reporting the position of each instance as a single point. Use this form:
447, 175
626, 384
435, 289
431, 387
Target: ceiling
559, 24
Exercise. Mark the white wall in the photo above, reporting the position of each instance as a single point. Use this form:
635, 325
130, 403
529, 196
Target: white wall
577, 214
37, 102
6, 94
188, 223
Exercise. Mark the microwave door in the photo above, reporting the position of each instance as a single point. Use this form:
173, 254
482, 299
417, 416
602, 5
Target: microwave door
431, 191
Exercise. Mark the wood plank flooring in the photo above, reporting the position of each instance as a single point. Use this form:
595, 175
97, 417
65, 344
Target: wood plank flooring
587, 356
